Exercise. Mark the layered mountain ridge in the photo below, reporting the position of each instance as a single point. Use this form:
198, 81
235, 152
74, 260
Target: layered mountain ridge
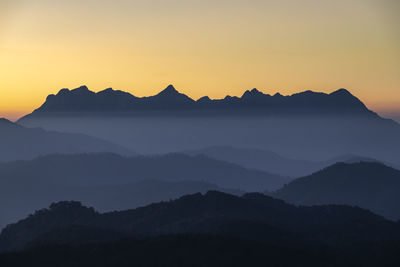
112, 182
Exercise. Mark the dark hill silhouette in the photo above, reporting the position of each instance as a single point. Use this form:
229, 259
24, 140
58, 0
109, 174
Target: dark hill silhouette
370, 185
253, 216
83, 100
112, 182
18, 142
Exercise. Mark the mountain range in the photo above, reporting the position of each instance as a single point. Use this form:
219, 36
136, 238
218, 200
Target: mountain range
82, 100
112, 182
369, 185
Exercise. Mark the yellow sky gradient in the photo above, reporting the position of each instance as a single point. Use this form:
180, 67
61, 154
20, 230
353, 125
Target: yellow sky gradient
204, 47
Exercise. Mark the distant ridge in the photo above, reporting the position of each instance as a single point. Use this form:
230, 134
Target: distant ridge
252, 101
18, 143
100, 168
268, 161
369, 185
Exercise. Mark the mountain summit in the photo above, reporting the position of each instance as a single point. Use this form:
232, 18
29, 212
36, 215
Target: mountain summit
169, 98
252, 101
170, 90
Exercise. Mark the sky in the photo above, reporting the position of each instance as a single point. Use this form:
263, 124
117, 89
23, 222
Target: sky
208, 47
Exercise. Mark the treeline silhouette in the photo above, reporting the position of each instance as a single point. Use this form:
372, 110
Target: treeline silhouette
215, 229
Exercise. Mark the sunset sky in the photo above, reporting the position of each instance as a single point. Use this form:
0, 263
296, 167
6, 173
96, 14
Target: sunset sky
208, 47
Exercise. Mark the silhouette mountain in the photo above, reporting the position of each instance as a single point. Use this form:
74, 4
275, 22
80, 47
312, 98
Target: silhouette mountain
370, 185
253, 216
169, 98
83, 100
18, 142
112, 182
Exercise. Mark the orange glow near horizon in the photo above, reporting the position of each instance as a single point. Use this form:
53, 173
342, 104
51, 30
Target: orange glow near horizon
204, 47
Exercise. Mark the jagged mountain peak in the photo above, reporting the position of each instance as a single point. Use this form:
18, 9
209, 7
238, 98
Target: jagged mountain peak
82, 88
342, 92
77, 91
169, 90
82, 91
204, 99
252, 93
62, 92
107, 90
169, 98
